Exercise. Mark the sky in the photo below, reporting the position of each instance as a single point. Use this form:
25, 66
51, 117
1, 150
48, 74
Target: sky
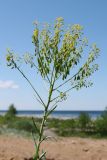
16, 27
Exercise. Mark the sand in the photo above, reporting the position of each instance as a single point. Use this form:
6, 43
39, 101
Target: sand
19, 148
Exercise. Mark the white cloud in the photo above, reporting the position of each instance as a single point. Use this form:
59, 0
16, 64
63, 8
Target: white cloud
8, 84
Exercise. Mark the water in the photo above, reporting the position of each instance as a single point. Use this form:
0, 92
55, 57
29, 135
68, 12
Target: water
57, 114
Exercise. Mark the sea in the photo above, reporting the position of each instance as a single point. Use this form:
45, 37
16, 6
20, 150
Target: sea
56, 114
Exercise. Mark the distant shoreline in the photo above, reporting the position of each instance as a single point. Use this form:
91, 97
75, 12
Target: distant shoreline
57, 114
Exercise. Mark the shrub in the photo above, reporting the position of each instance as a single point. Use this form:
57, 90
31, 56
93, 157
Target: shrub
84, 121
11, 111
101, 124
22, 124
65, 127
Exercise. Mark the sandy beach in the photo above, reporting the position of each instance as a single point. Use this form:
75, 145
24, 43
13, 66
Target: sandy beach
19, 148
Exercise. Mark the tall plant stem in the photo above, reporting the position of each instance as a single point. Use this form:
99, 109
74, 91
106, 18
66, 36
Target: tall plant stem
37, 157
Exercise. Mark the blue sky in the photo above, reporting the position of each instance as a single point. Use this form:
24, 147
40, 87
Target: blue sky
16, 26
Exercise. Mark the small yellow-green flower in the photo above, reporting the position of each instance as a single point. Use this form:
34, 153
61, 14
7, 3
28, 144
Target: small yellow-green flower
8, 57
77, 27
59, 19
35, 33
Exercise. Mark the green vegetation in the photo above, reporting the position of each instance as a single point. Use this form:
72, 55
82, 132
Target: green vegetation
23, 124
11, 121
84, 121
101, 124
58, 60
83, 126
11, 112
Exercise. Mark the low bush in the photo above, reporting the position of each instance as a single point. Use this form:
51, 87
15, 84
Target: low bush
24, 124
84, 121
11, 113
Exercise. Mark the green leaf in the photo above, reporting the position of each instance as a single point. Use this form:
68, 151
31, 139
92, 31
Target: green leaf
51, 110
35, 126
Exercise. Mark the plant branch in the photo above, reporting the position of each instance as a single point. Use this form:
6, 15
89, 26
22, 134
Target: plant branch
29, 83
38, 100
34, 139
66, 81
63, 93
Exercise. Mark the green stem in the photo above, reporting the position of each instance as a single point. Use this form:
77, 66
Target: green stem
29, 83
44, 118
